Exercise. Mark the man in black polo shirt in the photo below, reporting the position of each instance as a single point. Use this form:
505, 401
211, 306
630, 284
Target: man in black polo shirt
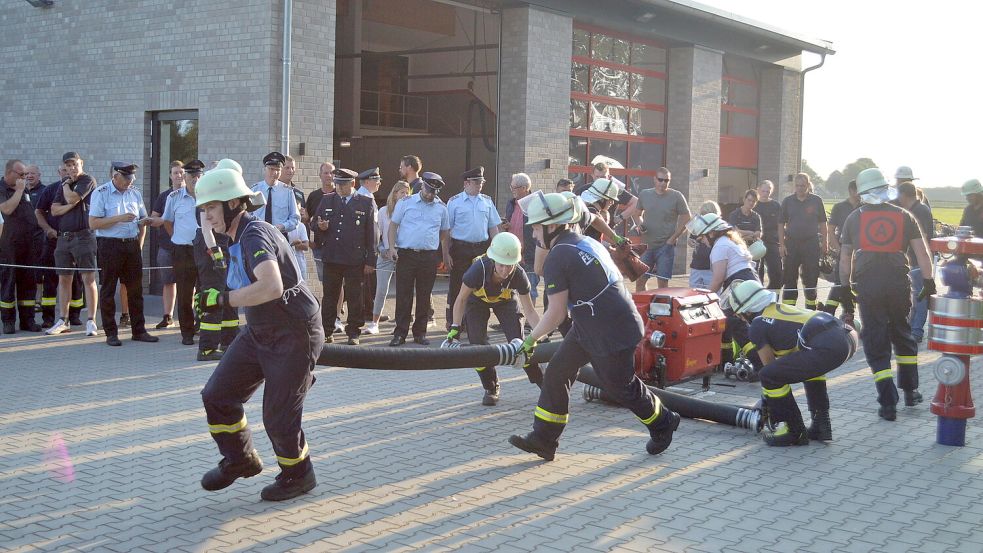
802, 239
908, 199
50, 225
76, 248
770, 212
745, 219
18, 286
841, 295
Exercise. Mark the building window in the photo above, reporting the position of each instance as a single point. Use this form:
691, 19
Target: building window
617, 103
739, 114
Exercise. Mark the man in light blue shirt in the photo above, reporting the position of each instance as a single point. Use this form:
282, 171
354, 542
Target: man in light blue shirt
281, 205
181, 222
419, 230
474, 221
119, 217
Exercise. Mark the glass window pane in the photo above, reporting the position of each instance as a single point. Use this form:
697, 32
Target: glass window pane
578, 150
649, 90
648, 123
647, 157
738, 124
609, 82
648, 57
607, 118
616, 149
578, 77
581, 43
610, 49
739, 94
578, 114
578, 179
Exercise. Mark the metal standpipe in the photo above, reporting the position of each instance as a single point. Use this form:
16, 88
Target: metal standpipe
956, 330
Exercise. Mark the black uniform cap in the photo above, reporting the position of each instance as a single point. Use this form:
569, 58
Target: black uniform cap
70, 156
476, 173
343, 175
433, 181
372, 173
274, 158
195, 167
124, 168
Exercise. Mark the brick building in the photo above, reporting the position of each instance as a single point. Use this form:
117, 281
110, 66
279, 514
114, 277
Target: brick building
540, 86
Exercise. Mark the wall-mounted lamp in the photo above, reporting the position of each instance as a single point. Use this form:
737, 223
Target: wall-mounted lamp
41, 3
706, 172
345, 143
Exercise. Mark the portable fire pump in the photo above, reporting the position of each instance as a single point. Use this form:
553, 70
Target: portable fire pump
683, 327
956, 329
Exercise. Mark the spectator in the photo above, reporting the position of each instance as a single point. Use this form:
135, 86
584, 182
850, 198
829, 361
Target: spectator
802, 239
288, 176
165, 248
700, 269
281, 206
386, 264
313, 200
515, 222
770, 212
300, 242
908, 198
18, 286
665, 214
409, 171
181, 222
745, 219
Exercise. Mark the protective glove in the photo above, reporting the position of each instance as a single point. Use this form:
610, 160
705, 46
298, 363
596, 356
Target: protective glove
928, 289
212, 300
524, 352
452, 341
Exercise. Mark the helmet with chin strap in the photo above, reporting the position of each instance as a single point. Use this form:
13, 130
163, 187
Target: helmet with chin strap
747, 296
223, 185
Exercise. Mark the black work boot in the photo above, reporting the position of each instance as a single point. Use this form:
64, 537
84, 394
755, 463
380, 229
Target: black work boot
661, 430
912, 398
787, 435
534, 444
289, 487
209, 355
491, 396
227, 472
888, 412
821, 428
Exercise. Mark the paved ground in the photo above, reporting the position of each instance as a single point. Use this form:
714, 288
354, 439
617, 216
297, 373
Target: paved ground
101, 449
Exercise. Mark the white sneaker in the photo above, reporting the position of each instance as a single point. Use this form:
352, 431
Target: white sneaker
90, 328
339, 326
59, 327
371, 328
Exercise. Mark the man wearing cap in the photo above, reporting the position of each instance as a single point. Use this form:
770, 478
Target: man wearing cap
181, 223
49, 278
473, 221
281, 205
409, 171
119, 218
18, 286
278, 347
313, 200
346, 222
419, 232
76, 249
802, 239
873, 246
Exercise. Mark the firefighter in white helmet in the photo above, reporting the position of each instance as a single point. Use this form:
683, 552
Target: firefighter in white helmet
492, 283
873, 245
580, 276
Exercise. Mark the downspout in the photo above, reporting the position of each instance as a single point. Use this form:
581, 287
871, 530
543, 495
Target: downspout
285, 94
802, 107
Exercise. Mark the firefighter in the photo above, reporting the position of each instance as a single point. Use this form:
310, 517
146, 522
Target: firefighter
492, 283
218, 327
838, 295
580, 273
280, 344
873, 260
794, 345
802, 240
18, 285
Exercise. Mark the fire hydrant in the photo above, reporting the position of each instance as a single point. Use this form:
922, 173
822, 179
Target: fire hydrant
956, 330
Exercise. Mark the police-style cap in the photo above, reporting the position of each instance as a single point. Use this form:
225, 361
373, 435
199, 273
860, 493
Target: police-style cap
372, 173
476, 173
194, 167
70, 156
433, 181
274, 158
343, 175
125, 168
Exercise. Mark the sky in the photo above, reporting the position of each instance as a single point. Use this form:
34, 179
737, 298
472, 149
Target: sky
904, 87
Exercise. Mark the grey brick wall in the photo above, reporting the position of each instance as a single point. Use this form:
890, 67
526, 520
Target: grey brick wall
534, 116
693, 127
779, 128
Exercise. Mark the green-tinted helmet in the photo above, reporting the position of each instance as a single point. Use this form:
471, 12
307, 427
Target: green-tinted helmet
220, 185
972, 186
505, 248
706, 223
229, 164
601, 189
869, 179
747, 296
758, 250
552, 209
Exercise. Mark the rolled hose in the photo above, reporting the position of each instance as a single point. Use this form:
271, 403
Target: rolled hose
686, 406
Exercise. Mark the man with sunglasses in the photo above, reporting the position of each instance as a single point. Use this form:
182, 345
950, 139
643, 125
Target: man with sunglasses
473, 221
665, 214
873, 258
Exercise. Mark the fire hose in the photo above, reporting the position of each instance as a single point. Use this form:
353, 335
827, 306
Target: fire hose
417, 359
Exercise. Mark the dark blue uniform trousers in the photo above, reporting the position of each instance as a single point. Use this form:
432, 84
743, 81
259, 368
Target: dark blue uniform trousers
283, 356
884, 304
476, 321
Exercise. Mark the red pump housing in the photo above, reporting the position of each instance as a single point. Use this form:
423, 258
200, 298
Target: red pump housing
683, 327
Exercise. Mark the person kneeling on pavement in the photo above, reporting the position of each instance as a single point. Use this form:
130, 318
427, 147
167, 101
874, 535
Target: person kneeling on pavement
492, 283
581, 276
279, 345
794, 345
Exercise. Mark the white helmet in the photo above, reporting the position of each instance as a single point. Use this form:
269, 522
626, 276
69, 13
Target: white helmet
227, 163
600, 190
706, 223
904, 172
747, 296
505, 248
555, 208
757, 250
